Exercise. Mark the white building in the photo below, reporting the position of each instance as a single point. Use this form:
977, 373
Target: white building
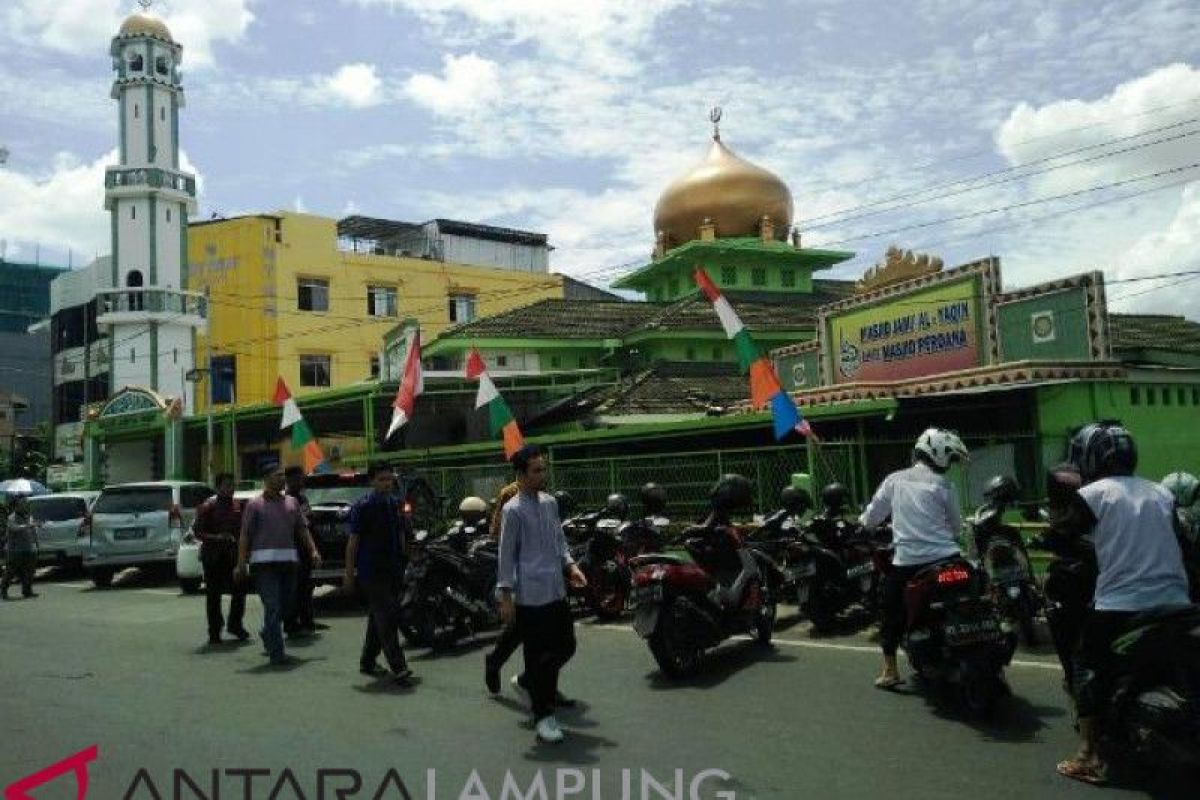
150, 318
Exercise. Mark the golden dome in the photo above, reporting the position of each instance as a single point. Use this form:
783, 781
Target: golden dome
728, 190
140, 24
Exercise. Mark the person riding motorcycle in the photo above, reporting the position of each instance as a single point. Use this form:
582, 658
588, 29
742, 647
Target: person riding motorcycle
734, 563
1140, 570
1186, 489
926, 519
835, 497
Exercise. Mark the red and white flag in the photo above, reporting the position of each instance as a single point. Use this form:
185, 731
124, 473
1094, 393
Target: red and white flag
412, 384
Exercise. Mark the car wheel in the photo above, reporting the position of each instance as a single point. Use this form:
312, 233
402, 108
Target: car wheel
102, 578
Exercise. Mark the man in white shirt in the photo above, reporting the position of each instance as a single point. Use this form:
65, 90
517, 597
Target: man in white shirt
1140, 569
926, 520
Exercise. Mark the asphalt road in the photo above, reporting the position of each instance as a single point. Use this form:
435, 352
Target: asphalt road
129, 670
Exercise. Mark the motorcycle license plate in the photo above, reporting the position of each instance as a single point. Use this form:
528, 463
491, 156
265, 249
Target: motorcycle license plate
642, 595
980, 629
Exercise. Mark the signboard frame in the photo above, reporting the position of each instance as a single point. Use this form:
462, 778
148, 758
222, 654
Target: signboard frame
984, 275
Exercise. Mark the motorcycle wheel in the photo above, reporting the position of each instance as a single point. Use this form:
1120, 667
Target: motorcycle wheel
979, 692
676, 655
821, 613
764, 626
607, 598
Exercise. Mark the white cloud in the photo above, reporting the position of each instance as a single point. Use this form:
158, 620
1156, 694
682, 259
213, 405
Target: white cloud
64, 206
1173, 248
86, 26
354, 85
467, 85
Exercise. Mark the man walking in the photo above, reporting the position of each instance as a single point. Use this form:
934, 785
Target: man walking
271, 525
299, 620
21, 550
375, 558
532, 589
218, 525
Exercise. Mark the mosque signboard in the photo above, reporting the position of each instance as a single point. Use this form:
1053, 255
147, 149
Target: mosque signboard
929, 326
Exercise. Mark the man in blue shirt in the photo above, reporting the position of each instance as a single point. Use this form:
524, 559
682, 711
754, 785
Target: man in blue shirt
532, 585
375, 558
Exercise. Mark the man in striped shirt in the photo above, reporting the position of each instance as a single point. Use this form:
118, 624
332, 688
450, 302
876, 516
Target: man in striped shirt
272, 525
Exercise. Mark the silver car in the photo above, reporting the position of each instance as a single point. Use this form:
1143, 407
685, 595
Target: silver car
137, 524
63, 525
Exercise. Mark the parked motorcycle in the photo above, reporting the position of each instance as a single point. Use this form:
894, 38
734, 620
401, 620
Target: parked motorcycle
605, 557
683, 609
955, 636
1003, 556
450, 581
1153, 719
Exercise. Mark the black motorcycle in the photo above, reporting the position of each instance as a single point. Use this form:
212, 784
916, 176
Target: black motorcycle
449, 587
834, 567
954, 635
1002, 554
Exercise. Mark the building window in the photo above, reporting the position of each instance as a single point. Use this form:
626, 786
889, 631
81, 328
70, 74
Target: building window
673, 287
132, 355
162, 113
381, 301
690, 354
134, 280
375, 367
1135, 396
729, 276
462, 308
160, 65
136, 63
1166, 396
168, 215
175, 356
1180, 397
787, 278
1151, 396
224, 378
758, 276
312, 294
501, 361
314, 370
136, 111
1196, 396
133, 212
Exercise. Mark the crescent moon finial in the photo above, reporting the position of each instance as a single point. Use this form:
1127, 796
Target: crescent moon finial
714, 116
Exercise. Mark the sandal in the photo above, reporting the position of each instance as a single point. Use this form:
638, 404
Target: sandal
888, 681
1080, 770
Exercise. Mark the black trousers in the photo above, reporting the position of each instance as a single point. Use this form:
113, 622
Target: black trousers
219, 564
300, 609
506, 644
548, 634
20, 567
892, 614
383, 623
1094, 661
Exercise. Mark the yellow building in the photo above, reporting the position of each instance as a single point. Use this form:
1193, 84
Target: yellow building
310, 297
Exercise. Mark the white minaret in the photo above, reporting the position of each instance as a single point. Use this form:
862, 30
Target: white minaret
152, 319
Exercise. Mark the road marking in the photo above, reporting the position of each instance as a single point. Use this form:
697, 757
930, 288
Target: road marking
143, 590
854, 648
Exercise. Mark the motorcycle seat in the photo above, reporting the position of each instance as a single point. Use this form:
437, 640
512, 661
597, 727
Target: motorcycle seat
656, 558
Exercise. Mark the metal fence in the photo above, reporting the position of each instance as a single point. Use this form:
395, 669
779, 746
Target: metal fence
686, 477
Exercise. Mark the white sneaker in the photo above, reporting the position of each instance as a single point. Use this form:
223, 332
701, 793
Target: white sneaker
548, 730
520, 690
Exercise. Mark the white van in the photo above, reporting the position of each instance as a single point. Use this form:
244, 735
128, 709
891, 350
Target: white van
137, 524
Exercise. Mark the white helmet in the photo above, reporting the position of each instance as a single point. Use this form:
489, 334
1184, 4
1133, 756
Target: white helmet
476, 505
941, 447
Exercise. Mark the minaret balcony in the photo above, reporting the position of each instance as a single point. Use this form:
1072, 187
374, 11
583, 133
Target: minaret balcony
136, 181
145, 304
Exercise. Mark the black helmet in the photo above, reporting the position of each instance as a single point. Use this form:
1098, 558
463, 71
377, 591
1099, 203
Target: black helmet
1102, 449
566, 503
617, 505
1002, 489
835, 496
732, 493
795, 500
654, 498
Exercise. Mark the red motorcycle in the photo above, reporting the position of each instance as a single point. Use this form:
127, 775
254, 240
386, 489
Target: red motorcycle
684, 609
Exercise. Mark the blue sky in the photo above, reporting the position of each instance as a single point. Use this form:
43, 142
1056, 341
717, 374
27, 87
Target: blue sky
570, 117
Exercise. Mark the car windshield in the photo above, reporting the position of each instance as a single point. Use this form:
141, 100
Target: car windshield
336, 495
130, 499
57, 509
